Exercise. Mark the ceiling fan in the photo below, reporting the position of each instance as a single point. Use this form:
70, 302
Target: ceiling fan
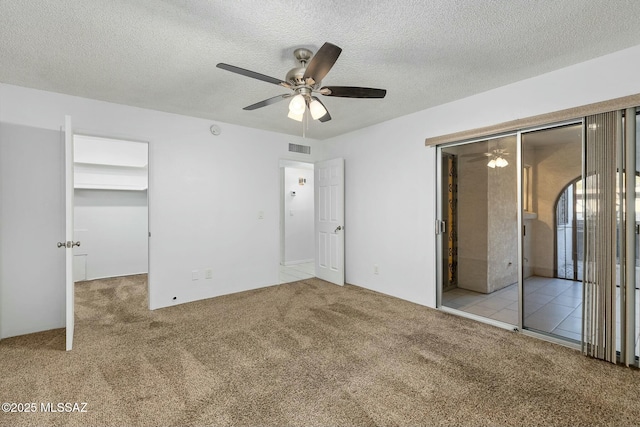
305, 81
497, 157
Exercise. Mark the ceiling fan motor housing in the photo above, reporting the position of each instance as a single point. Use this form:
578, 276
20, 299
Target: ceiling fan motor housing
295, 76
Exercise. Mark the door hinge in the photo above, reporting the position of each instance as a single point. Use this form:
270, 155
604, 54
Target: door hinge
149, 234
441, 227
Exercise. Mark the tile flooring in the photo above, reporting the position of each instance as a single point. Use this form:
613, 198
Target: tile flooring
295, 272
550, 305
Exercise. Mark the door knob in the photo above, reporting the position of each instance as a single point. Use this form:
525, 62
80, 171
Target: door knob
338, 229
75, 244
62, 245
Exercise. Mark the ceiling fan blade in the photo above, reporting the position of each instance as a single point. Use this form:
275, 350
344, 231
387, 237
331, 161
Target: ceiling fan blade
353, 92
327, 116
269, 101
322, 62
252, 74
476, 155
478, 159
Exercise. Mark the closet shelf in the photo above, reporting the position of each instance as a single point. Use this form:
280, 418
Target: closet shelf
110, 187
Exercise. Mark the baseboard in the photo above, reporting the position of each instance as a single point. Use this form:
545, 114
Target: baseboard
111, 277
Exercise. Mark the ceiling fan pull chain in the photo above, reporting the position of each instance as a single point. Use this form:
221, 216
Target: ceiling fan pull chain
304, 124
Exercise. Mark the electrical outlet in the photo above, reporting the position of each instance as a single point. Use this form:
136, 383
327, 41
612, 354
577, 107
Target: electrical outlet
195, 275
260, 214
375, 269
208, 273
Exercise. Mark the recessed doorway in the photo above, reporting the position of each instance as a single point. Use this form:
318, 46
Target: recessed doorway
297, 247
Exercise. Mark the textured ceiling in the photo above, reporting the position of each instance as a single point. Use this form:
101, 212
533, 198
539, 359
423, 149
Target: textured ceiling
162, 54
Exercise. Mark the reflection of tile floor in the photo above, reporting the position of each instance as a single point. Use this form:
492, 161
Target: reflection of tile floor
550, 305
293, 273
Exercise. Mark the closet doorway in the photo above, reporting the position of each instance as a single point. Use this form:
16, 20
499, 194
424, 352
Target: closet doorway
111, 221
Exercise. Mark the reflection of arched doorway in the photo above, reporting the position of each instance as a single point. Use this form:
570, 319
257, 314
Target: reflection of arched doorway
569, 232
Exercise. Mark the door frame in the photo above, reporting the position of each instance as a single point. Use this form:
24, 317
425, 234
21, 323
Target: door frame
68, 233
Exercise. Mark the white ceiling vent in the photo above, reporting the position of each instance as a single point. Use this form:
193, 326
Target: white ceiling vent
297, 148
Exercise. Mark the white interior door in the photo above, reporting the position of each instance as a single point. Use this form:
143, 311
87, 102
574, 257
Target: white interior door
329, 220
69, 242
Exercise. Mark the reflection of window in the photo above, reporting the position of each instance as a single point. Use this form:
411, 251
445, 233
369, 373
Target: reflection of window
562, 213
526, 189
570, 232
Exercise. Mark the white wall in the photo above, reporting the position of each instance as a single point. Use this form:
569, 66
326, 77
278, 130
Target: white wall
32, 211
390, 186
112, 227
205, 194
298, 216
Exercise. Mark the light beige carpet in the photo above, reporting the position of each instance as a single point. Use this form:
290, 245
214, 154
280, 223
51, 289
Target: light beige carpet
302, 354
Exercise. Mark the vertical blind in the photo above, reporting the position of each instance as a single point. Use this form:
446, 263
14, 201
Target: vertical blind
609, 237
599, 316
628, 286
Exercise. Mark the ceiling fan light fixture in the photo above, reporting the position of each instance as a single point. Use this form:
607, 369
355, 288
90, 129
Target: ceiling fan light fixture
317, 109
492, 163
501, 162
297, 105
296, 116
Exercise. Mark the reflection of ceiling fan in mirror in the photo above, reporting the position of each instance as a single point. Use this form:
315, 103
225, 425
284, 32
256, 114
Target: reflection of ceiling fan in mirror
497, 157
